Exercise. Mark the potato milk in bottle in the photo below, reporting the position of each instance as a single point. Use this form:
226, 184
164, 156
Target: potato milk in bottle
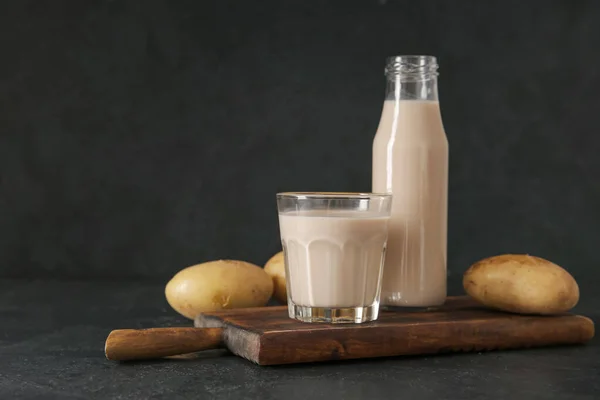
410, 160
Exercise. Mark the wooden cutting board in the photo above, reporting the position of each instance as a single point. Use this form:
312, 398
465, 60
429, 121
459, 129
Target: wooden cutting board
267, 336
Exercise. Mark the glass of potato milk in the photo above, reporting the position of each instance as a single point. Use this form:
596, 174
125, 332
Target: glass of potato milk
334, 246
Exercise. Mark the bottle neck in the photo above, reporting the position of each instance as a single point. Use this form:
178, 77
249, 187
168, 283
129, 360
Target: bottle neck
411, 78
420, 88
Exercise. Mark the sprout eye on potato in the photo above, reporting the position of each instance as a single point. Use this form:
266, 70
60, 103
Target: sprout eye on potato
217, 285
521, 284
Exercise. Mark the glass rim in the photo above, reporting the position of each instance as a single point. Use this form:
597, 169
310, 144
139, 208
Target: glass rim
332, 195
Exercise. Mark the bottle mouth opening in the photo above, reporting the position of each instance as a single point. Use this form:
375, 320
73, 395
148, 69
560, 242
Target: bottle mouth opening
411, 65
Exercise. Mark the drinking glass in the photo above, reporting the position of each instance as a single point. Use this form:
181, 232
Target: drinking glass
334, 247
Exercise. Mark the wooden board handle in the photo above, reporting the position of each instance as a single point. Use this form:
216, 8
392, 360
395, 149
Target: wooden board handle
144, 344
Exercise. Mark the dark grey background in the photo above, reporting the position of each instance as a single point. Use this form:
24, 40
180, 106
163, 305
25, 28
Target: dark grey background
140, 137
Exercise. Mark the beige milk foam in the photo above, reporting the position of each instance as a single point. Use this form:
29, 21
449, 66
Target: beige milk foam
410, 160
333, 261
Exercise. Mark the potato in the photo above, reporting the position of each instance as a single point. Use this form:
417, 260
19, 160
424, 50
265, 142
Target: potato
275, 267
218, 285
521, 284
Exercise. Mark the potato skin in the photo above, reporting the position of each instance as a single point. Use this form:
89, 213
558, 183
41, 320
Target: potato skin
275, 267
217, 285
521, 284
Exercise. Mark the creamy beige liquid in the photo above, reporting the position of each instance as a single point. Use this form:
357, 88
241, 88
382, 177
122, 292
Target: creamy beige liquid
410, 160
334, 260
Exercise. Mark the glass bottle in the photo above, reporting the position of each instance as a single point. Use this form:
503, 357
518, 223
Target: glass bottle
410, 160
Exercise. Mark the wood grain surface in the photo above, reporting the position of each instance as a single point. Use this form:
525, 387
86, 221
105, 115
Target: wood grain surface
143, 344
267, 336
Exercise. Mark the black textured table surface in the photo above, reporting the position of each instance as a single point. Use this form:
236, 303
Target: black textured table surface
53, 336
